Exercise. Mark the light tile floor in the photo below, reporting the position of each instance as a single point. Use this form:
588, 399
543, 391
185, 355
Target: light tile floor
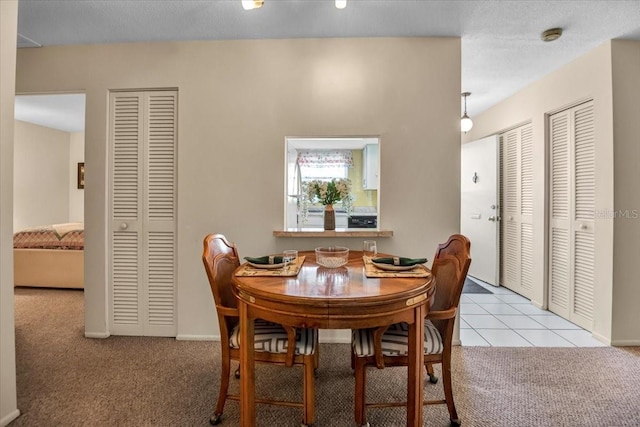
506, 319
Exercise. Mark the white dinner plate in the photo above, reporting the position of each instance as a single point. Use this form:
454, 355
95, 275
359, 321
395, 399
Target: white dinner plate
266, 266
391, 267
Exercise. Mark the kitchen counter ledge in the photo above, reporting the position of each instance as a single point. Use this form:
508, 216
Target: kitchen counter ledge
338, 232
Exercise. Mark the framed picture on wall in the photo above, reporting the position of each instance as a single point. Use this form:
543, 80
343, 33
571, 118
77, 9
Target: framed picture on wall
80, 175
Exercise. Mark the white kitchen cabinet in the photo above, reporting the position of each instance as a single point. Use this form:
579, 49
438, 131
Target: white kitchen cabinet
370, 167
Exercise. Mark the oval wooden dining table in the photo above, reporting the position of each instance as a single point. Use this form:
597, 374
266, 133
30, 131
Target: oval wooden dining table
340, 298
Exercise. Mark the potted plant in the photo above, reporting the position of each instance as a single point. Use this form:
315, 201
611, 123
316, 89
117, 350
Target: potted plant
326, 193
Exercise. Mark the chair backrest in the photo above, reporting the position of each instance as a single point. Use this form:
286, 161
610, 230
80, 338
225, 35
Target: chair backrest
450, 267
220, 258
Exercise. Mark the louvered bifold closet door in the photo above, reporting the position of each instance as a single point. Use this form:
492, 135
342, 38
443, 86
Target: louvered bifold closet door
127, 136
517, 210
572, 204
526, 210
510, 211
560, 207
143, 236
584, 214
160, 128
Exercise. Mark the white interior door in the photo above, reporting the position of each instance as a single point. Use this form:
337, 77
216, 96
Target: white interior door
143, 213
516, 202
479, 208
572, 238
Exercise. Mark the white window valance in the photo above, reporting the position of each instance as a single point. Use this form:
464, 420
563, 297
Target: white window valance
325, 158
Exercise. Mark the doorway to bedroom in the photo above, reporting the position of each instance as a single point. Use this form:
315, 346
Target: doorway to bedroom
48, 200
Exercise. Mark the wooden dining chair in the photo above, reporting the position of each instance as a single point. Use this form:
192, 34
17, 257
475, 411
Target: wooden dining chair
388, 345
274, 343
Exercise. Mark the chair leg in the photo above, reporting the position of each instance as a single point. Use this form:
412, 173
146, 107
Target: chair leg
432, 377
224, 388
316, 357
309, 415
359, 397
448, 389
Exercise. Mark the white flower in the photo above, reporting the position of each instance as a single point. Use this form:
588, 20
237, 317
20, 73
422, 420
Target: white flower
325, 193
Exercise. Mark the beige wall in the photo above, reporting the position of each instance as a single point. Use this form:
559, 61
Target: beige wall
626, 111
40, 175
8, 38
587, 77
238, 100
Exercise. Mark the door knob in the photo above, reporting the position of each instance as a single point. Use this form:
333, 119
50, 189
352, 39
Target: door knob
124, 226
492, 218
583, 226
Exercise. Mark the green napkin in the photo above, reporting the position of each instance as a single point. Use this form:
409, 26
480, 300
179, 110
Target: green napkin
400, 261
269, 259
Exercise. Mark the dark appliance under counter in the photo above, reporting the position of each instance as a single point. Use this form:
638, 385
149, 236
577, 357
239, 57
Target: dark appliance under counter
362, 221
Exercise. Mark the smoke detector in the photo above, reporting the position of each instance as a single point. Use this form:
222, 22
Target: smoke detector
551, 34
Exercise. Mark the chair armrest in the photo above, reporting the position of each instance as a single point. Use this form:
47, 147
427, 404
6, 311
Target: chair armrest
442, 314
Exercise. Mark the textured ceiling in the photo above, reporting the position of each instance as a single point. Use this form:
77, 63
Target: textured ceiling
501, 47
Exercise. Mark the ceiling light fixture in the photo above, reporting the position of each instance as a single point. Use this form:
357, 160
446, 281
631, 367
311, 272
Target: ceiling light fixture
465, 122
551, 34
252, 4
341, 4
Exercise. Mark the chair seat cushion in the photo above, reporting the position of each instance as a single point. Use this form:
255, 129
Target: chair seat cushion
272, 338
395, 341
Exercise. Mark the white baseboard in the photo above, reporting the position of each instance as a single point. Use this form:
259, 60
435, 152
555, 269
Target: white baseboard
187, 337
616, 343
603, 339
335, 340
538, 305
625, 343
10, 417
101, 335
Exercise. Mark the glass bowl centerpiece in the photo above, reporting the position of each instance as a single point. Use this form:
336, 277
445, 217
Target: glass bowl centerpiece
332, 256
326, 193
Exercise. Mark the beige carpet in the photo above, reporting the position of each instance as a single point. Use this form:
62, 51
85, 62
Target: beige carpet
65, 379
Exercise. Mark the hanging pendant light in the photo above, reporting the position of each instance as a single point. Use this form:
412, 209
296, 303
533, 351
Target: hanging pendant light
251, 4
341, 4
465, 122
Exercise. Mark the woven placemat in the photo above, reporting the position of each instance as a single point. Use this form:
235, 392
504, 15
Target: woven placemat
289, 270
371, 270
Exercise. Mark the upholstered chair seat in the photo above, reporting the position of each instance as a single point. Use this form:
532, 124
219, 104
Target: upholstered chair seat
395, 340
272, 338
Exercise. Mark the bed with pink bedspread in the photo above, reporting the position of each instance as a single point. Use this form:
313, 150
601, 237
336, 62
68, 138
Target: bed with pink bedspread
49, 256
